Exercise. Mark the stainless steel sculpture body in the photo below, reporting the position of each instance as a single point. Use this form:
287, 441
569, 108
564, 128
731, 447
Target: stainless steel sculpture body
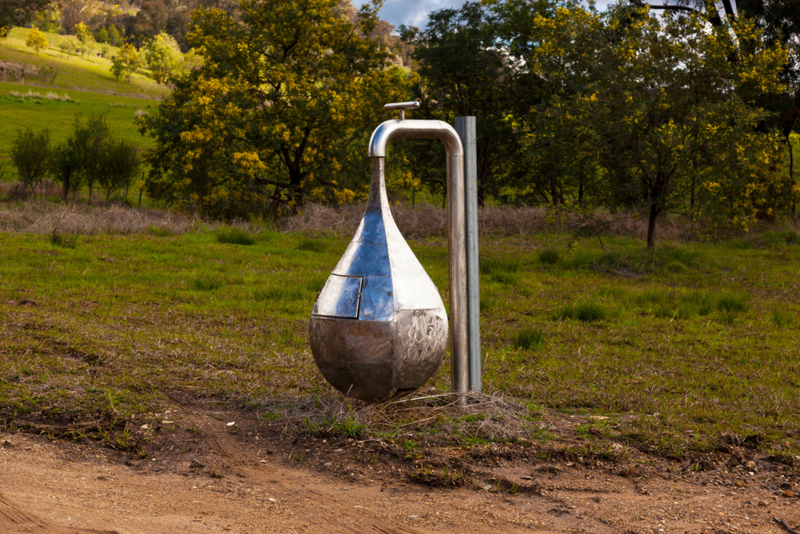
379, 325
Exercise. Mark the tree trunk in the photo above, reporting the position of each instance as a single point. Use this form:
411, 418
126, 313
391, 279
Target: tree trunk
791, 177
65, 192
554, 191
651, 223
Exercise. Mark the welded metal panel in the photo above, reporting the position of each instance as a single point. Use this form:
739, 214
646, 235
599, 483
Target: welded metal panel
420, 346
376, 299
339, 297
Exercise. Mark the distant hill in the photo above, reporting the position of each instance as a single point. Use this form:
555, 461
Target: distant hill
83, 73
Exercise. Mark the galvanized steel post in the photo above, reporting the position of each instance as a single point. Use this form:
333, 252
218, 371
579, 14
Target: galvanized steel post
465, 126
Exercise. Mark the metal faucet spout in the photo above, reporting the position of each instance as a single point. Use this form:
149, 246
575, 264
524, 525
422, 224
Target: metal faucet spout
414, 129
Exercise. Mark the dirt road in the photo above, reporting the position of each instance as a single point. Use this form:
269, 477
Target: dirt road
240, 478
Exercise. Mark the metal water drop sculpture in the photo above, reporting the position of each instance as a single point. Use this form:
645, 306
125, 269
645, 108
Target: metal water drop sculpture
379, 326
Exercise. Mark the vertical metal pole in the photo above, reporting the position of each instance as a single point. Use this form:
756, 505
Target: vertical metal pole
465, 126
457, 248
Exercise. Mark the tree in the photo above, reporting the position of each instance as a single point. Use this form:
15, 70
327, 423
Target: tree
118, 166
92, 143
282, 96
84, 36
65, 166
36, 40
463, 71
113, 35
663, 99
18, 13
125, 62
160, 57
102, 36
30, 153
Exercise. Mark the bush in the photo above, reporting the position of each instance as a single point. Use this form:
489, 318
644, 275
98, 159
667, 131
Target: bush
30, 153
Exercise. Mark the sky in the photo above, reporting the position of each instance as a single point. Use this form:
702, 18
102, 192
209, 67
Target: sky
415, 12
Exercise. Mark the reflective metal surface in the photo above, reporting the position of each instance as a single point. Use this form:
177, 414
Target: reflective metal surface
379, 326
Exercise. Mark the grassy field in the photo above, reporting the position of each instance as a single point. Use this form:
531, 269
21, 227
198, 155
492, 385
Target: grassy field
58, 115
675, 350
87, 73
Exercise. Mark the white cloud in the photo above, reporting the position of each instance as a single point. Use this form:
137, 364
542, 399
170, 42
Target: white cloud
413, 12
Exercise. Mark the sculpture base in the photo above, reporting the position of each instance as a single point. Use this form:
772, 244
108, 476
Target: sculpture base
375, 360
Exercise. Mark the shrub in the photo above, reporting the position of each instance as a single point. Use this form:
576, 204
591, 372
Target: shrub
118, 166
30, 153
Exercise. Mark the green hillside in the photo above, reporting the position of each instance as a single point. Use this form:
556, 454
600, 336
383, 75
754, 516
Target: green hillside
17, 112
87, 73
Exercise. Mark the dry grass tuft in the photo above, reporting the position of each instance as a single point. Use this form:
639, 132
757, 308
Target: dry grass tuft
484, 416
80, 219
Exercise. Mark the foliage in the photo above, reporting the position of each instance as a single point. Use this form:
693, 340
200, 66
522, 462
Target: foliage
119, 166
65, 166
114, 38
282, 97
125, 62
659, 108
18, 13
91, 154
36, 40
84, 36
464, 73
160, 57
30, 155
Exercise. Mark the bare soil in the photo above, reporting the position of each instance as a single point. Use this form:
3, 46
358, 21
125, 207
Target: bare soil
212, 470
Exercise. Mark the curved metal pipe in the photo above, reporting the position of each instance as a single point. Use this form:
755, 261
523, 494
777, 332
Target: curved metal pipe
408, 129
456, 224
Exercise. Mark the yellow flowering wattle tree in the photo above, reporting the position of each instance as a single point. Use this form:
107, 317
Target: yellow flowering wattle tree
285, 92
661, 109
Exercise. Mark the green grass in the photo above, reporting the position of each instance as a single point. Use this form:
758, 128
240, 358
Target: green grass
59, 116
113, 327
235, 236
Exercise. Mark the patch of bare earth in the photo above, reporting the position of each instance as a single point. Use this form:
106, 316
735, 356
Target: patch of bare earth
214, 470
